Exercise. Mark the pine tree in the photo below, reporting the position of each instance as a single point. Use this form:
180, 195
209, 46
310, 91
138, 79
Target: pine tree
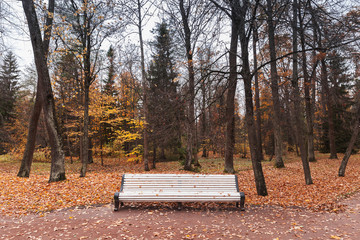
9, 85
68, 89
163, 109
107, 133
340, 83
109, 87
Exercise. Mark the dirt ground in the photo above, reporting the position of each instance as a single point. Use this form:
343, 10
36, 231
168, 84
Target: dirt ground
164, 221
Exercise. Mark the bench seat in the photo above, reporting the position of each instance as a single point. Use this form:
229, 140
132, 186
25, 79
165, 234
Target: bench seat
179, 188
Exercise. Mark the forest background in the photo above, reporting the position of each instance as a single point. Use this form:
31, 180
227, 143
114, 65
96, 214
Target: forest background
250, 79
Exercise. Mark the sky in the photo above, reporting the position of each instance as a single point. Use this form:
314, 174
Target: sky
16, 37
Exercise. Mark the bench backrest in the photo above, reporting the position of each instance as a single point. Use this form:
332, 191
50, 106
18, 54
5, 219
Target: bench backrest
182, 182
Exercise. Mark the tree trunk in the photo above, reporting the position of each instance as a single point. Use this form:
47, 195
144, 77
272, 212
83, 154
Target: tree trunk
204, 153
154, 157
143, 83
189, 150
352, 142
327, 103
57, 172
31, 137
313, 96
81, 145
191, 90
330, 112
297, 102
101, 147
274, 88
85, 149
249, 108
26, 161
257, 97
145, 131
313, 79
290, 120
90, 154
203, 119
307, 83
86, 45
68, 142
230, 97
196, 145
162, 156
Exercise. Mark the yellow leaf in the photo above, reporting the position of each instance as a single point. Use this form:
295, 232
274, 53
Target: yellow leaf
335, 237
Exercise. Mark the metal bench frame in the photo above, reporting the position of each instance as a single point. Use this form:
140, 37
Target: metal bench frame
179, 188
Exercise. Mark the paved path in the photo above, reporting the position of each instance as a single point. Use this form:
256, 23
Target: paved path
198, 222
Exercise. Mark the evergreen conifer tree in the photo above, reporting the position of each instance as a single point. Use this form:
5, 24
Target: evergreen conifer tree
340, 83
163, 107
9, 85
109, 82
107, 132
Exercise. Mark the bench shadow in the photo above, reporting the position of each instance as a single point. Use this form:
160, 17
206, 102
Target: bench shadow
191, 206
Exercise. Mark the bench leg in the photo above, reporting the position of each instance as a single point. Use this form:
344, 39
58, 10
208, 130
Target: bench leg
242, 202
116, 201
179, 205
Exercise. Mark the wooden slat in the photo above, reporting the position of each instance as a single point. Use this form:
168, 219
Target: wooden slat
178, 175
177, 181
178, 188
180, 196
186, 185
171, 199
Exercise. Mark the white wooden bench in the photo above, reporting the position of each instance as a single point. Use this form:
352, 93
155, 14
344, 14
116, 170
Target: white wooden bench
179, 188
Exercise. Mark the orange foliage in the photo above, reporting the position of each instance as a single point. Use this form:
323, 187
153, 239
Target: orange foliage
285, 186
18, 127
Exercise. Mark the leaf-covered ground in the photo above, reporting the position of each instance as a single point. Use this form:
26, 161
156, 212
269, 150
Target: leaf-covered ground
286, 187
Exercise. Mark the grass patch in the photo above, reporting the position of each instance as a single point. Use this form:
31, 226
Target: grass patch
6, 158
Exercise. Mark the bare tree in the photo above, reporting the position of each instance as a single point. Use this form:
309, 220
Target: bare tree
185, 15
90, 23
232, 82
330, 32
244, 36
307, 85
191, 19
232, 10
257, 93
353, 139
57, 172
26, 161
242, 14
297, 100
142, 10
279, 163
356, 127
